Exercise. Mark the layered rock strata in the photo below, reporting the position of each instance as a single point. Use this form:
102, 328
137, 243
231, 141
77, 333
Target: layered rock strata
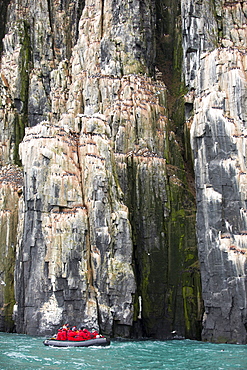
215, 55
11, 183
76, 251
106, 226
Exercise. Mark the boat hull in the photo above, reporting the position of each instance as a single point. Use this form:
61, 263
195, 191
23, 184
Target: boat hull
82, 343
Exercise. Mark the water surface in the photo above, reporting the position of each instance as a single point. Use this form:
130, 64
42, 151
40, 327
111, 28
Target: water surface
22, 352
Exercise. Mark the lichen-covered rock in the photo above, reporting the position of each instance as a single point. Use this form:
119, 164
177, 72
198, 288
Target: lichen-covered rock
11, 183
218, 140
76, 250
106, 227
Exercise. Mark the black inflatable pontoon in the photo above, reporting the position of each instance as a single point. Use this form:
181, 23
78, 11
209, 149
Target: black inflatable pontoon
83, 343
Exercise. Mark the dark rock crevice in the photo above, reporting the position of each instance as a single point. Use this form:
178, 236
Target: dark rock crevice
3, 20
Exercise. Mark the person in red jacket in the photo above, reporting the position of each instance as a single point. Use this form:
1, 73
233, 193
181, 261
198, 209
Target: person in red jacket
64, 334
72, 333
81, 335
59, 335
87, 334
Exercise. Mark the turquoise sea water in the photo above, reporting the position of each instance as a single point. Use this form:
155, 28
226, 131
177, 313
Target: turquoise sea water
22, 352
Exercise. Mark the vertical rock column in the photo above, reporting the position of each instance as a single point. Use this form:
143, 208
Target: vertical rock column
11, 182
51, 269
218, 136
74, 260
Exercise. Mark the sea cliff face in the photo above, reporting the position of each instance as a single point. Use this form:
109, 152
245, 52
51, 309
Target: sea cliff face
98, 205
216, 73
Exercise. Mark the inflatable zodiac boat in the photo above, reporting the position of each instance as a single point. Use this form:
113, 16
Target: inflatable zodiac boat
101, 341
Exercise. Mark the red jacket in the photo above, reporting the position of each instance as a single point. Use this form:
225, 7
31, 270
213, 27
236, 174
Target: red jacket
64, 334
81, 335
72, 334
87, 334
59, 335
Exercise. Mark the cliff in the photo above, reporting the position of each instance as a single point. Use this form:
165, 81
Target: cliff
108, 109
217, 74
